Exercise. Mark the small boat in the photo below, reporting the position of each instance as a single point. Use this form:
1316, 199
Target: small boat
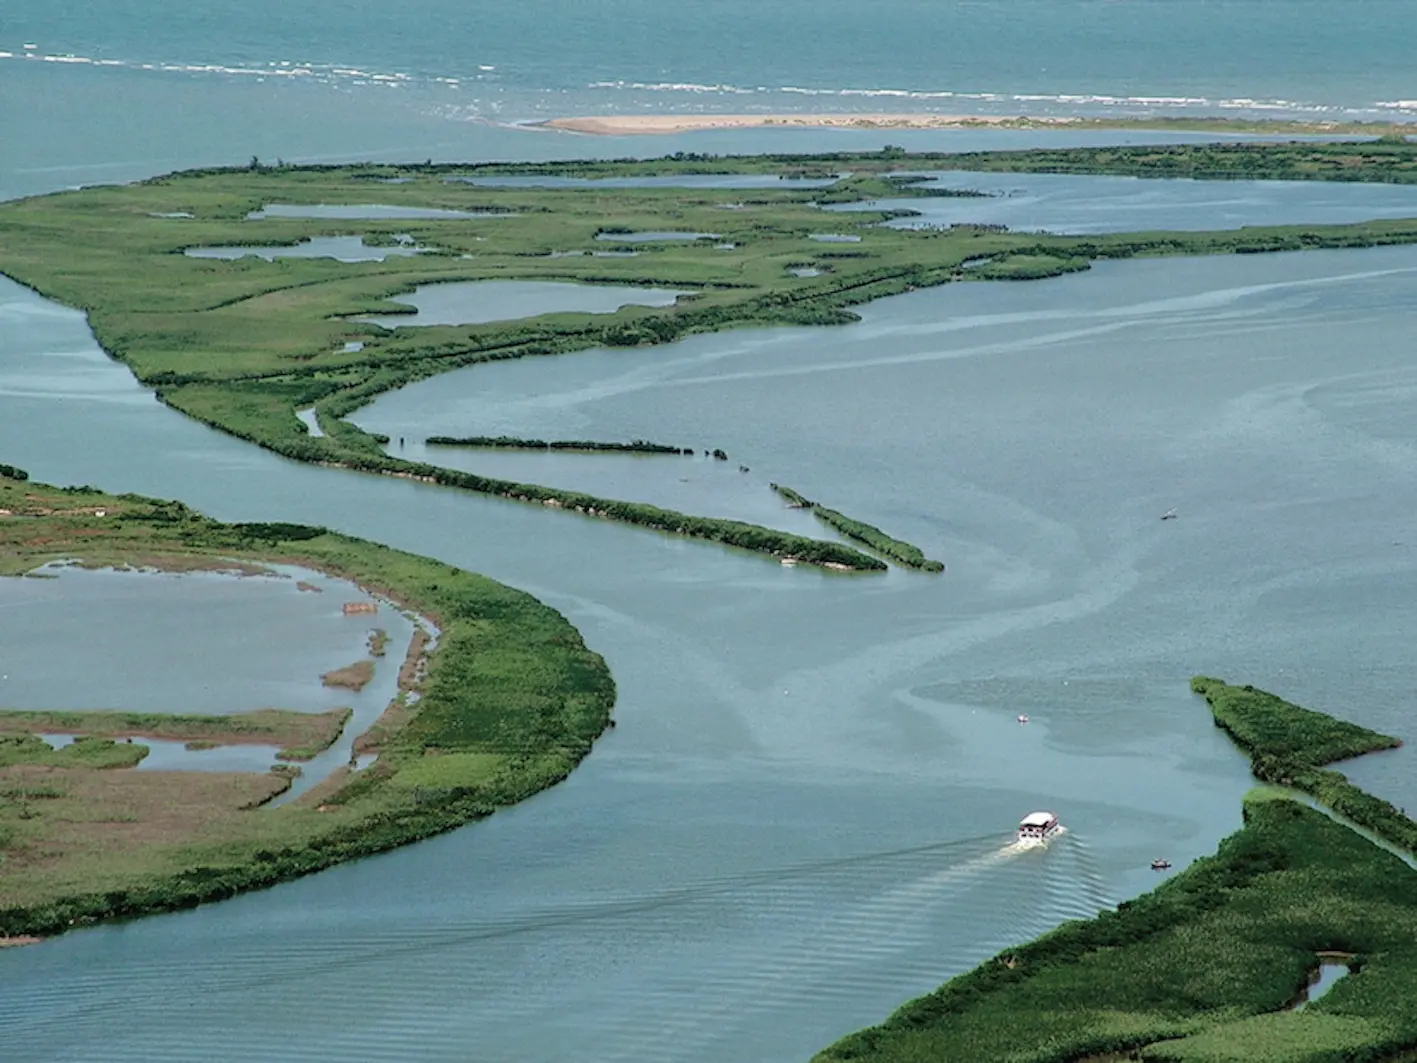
1038, 827
1160, 865
1023, 717
1170, 514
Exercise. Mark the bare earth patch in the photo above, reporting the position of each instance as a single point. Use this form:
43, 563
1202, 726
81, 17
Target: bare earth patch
354, 676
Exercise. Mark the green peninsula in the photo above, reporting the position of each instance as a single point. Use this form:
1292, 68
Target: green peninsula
505, 704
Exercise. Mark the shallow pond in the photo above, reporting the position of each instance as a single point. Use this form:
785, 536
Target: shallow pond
476, 302
342, 248
380, 211
208, 643
1330, 970
310, 419
1067, 203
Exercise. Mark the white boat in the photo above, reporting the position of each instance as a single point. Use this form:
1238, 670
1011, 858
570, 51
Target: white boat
1038, 827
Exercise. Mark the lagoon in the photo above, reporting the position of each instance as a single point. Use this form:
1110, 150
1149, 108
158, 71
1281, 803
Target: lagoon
477, 302
813, 775
1080, 204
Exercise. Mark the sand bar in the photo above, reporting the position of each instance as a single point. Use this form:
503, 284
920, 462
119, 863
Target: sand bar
630, 124
640, 124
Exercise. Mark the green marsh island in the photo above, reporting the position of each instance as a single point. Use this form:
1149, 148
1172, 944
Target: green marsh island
1222, 961
502, 702
273, 302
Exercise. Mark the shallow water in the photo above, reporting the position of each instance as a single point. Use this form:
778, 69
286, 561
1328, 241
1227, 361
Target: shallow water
699, 485
208, 643
1329, 972
341, 248
476, 302
1065, 203
798, 823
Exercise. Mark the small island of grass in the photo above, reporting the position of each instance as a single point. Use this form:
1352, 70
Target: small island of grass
869, 535
507, 704
1210, 966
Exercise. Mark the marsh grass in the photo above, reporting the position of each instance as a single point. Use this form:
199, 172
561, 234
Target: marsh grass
511, 700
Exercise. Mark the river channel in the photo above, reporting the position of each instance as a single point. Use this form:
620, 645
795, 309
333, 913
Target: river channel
804, 816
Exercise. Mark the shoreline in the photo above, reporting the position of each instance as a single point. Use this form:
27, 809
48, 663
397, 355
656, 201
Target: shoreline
666, 124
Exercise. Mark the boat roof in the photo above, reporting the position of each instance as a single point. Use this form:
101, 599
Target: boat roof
1038, 819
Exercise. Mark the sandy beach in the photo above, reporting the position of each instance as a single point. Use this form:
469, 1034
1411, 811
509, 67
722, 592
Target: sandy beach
649, 124
633, 124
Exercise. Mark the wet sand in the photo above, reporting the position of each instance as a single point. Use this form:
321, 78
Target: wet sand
641, 124
632, 124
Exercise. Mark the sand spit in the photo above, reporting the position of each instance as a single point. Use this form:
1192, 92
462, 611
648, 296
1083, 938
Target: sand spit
631, 124
637, 124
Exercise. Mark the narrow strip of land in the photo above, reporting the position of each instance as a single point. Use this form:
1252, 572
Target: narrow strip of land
868, 535
512, 701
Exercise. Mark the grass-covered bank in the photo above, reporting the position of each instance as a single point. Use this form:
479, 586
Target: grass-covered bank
243, 345
1205, 968
510, 701
1290, 746
589, 446
869, 535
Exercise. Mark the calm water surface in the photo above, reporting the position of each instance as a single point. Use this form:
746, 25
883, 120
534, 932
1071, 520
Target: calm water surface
804, 816
476, 302
1095, 204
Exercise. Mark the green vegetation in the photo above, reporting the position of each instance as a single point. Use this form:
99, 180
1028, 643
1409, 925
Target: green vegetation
1387, 161
511, 700
12, 473
868, 534
635, 446
300, 734
242, 345
1289, 745
85, 752
1206, 967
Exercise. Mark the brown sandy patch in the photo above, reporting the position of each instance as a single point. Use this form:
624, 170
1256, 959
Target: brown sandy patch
19, 940
354, 676
90, 824
305, 585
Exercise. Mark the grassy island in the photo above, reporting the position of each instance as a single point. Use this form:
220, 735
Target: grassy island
589, 446
1209, 966
505, 706
246, 344
869, 535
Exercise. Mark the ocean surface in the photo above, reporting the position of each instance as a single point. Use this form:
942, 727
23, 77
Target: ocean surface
805, 815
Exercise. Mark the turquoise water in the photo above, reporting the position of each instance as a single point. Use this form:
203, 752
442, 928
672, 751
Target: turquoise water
518, 61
